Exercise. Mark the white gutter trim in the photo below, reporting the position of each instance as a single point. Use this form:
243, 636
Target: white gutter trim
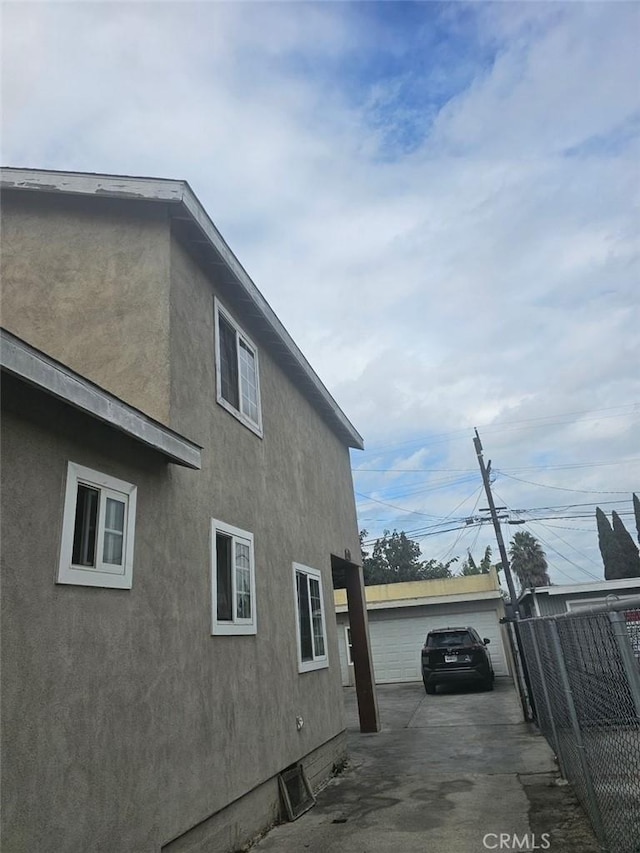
23, 361
596, 586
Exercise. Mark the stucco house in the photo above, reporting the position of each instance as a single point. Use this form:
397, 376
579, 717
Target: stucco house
176, 493
400, 615
563, 598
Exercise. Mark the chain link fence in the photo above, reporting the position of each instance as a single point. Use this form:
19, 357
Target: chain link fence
584, 674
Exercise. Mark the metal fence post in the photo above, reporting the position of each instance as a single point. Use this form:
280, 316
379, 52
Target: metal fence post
619, 625
518, 675
596, 816
545, 694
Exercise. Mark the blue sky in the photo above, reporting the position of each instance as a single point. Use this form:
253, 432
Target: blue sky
439, 200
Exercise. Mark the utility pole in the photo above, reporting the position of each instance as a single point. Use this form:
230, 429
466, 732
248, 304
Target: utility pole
515, 609
485, 470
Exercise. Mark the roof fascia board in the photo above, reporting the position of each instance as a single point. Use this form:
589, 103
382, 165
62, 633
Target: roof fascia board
202, 219
597, 586
571, 589
55, 379
487, 595
179, 192
84, 183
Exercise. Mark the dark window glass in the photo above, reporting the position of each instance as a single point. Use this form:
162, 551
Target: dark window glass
304, 615
229, 386
84, 532
223, 578
448, 639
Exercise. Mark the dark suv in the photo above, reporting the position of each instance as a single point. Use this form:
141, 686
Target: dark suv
456, 655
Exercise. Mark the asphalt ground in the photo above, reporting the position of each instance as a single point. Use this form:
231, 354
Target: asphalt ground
458, 772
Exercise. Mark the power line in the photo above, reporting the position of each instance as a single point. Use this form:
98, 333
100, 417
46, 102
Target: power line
406, 494
393, 506
554, 508
549, 420
562, 488
440, 523
567, 466
577, 550
571, 506
461, 534
475, 539
478, 522
562, 556
401, 491
414, 470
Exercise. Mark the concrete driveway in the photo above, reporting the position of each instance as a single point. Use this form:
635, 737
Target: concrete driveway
447, 774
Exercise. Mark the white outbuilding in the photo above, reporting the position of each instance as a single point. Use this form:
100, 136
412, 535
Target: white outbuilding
401, 615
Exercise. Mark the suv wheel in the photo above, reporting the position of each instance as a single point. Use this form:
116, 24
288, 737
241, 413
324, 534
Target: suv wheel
430, 689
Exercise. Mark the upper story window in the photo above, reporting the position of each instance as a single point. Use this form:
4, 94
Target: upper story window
237, 374
310, 619
97, 530
232, 580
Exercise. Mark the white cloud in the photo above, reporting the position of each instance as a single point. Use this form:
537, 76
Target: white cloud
484, 272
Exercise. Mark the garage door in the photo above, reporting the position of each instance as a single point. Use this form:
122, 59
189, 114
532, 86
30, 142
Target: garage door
398, 636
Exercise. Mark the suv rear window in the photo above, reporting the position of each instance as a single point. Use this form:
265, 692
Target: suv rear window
446, 639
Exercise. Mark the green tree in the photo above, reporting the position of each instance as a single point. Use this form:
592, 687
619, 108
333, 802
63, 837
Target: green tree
433, 570
470, 567
636, 512
606, 543
528, 561
627, 548
396, 558
373, 564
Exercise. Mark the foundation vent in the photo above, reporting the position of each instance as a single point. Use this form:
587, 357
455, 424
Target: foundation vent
296, 792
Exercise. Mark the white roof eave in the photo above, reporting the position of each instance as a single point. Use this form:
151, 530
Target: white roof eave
19, 359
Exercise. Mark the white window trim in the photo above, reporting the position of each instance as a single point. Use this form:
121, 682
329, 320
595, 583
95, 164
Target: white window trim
254, 426
321, 661
242, 627
87, 575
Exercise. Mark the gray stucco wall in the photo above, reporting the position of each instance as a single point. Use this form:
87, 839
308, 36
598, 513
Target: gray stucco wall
125, 722
87, 282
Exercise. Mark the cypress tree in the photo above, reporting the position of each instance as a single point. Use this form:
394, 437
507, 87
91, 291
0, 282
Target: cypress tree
636, 511
627, 548
608, 546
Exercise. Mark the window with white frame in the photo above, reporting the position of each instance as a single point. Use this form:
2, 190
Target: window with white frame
310, 620
232, 580
237, 375
97, 530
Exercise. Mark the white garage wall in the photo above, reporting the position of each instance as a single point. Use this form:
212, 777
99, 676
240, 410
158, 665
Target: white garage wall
398, 634
346, 670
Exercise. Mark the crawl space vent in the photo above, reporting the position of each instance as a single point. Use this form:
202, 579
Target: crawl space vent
296, 793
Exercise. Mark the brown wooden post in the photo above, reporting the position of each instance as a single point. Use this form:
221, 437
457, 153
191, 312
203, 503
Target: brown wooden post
360, 645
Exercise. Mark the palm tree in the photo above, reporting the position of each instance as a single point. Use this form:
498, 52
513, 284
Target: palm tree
528, 561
